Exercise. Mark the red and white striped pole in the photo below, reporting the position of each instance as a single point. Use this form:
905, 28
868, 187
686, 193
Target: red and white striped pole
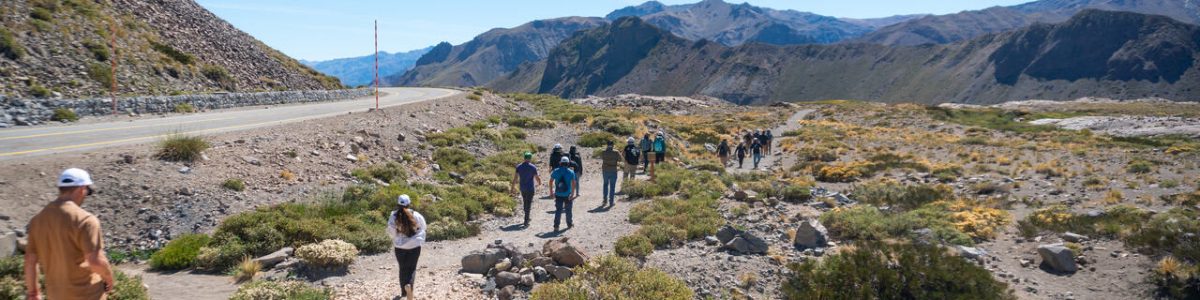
376, 64
112, 34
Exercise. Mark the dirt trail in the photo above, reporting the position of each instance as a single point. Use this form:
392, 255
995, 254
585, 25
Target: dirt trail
183, 284
775, 158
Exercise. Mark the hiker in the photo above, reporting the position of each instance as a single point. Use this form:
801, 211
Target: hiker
741, 154
564, 182
526, 175
747, 138
770, 140
631, 159
555, 156
660, 152
756, 152
645, 145
609, 161
66, 243
407, 228
576, 165
762, 139
723, 153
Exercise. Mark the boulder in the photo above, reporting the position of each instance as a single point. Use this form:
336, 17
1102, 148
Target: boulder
971, 252
1058, 257
540, 274
8, 244
1073, 237
745, 195
479, 262
504, 279
542, 261
560, 272
270, 260
506, 293
810, 234
504, 265
747, 243
727, 233
564, 253
527, 280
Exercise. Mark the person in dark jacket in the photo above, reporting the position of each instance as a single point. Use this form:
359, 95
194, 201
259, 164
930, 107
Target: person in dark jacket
762, 140
770, 140
660, 152
610, 162
741, 154
646, 153
756, 152
555, 157
576, 165
631, 159
723, 153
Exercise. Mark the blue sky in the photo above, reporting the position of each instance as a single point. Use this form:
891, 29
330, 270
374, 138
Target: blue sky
323, 29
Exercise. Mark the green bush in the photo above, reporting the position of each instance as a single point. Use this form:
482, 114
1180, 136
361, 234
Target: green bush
179, 147
891, 193
613, 125
271, 290
1139, 166
9, 46
176, 55
328, 254
220, 76
795, 193
450, 229
180, 253
100, 73
635, 245
663, 235
611, 277
184, 108
42, 14
1111, 223
128, 288
529, 123
390, 172
12, 287
893, 271
40, 91
452, 137
1171, 232
234, 184
64, 115
596, 139
221, 256
868, 223
556, 108
98, 50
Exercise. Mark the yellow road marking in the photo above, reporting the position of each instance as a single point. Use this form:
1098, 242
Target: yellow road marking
106, 129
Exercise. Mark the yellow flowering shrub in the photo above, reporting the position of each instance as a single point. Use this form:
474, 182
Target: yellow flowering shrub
328, 253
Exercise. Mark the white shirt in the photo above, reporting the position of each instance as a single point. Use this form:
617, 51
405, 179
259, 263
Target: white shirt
407, 242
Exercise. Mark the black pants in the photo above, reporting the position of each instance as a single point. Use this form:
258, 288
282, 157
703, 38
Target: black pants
741, 159
407, 258
527, 200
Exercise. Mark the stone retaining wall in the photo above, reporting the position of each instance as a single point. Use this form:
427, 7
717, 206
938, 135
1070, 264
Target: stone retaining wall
25, 112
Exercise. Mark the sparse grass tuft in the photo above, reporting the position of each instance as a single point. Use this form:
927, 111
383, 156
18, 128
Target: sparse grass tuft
179, 147
184, 108
64, 115
9, 46
234, 184
612, 277
246, 270
636, 245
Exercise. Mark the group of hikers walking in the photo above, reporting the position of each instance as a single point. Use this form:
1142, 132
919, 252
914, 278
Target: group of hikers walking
567, 168
756, 144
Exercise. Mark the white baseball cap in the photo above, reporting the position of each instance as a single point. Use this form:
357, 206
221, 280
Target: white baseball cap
564, 160
404, 200
74, 177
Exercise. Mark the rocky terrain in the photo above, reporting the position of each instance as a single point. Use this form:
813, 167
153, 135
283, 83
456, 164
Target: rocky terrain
56, 49
1037, 62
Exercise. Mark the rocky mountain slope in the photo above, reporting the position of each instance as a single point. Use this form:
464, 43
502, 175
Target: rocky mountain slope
356, 71
500, 51
1095, 53
491, 54
52, 48
970, 24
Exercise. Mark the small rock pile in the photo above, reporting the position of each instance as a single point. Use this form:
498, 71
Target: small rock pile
741, 242
507, 269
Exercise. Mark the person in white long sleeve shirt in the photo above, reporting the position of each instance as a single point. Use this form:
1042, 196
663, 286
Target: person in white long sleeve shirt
407, 229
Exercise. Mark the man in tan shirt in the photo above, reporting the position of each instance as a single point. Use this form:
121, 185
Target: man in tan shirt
66, 242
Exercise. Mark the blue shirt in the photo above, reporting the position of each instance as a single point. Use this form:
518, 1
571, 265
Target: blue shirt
563, 177
526, 171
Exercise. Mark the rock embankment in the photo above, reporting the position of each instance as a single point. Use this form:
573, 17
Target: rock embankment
25, 112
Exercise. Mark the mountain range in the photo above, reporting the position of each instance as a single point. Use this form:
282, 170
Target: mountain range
356, 71
52, 48
1094, 53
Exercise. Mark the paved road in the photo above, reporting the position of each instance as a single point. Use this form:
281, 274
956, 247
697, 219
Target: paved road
16, 143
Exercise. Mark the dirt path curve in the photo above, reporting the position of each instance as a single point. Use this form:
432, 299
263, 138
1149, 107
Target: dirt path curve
374, 277
183, 284
776, 158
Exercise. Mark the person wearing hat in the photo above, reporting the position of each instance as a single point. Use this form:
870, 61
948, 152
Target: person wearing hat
660, 152
563, 180
740, 152
631, 159
66, 243
610, 161
526, 175
407, 229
